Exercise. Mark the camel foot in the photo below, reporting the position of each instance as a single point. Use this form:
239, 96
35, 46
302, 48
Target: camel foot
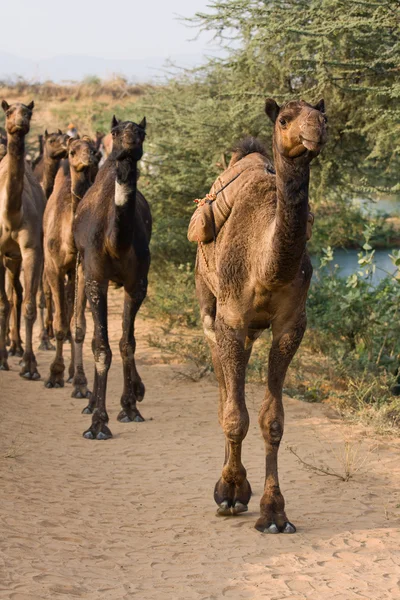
93, 434
29, 367
3, 361
88, 410
271, 527
55, 380
130, 416
45, 343
16, 349
80, 391
232, 499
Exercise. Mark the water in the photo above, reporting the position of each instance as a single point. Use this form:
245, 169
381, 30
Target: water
348, 263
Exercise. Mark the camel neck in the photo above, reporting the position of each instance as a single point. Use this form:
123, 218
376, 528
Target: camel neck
125, 202
15, 173
50, 168
80, 183
288, 242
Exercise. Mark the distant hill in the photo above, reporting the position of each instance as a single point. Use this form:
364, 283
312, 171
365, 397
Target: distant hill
75, 68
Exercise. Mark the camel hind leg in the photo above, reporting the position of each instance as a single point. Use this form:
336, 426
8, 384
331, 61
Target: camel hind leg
133, 386
78, 330
46, 315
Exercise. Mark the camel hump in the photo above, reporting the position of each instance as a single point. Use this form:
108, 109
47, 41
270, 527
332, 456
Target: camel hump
247, 145
213, 211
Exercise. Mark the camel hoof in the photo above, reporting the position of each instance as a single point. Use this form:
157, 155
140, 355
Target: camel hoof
46, 345
30, 376
87, 411
78, 393
239, 508
70, 379
4, 366
123, 417
49, 384
224, 509
16, 350
289, 528
271, 529
104, 434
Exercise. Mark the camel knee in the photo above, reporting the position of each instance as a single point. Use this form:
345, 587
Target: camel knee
235, 424
102, 360
271, 428
30, 310
127, 348
79, 335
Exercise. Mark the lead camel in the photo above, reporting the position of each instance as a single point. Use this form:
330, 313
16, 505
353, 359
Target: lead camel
256, 276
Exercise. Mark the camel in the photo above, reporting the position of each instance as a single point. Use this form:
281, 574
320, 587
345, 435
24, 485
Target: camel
53, 148
60, 256
256, 275
21, 212
112, 233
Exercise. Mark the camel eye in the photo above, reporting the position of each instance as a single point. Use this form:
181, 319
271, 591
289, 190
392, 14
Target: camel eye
325, 119
282, 121
72, 153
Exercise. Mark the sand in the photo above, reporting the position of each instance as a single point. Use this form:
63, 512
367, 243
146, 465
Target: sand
134, 517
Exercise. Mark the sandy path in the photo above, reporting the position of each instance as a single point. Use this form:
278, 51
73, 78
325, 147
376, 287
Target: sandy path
134, 517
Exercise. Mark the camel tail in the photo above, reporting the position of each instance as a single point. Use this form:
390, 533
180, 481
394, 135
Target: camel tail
247, 146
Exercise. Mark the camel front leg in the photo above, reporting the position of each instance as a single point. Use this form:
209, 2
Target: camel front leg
45, 308
78, 330
4, 311
14, 294
286, 340
133, 385
57, 367
32, 261
96, 293
232, 492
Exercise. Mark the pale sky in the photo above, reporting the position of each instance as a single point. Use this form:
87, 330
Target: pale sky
126, 29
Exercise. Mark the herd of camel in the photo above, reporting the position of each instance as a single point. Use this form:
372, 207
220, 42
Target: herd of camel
70, 228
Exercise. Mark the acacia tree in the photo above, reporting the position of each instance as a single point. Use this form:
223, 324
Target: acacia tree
345, 51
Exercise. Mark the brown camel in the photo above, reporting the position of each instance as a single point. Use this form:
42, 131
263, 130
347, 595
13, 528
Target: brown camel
53, 148
254, 276
60, 255
112, 233
21, 213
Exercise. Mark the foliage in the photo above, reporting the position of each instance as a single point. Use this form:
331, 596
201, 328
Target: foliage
347, 52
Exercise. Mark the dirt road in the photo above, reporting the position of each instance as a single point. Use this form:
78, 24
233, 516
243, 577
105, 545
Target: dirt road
134, 517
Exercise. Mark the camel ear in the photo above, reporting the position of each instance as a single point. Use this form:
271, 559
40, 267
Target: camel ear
87, 138
142, 123
59, 131
114, 122
5, 106
272, 109
31, 105
46, 135
320, 106
69, 142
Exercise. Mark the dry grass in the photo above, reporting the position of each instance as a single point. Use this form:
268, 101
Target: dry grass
343, 461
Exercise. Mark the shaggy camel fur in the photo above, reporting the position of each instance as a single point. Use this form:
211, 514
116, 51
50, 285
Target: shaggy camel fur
60, 255
112, 233
21, 213
254, 276
53, 149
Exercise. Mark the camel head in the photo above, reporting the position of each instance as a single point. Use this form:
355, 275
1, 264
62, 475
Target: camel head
299, 128
128, 138
18, 116
56, 144
81, 153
